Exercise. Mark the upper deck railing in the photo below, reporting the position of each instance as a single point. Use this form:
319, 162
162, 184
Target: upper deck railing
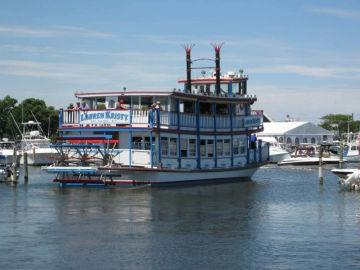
164, 119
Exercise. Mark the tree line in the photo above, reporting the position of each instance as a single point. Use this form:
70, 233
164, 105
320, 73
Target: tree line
30, 109
340, 124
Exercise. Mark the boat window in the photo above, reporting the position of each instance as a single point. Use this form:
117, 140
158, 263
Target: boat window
192, 147
184, 147
202, 148
221, 109
353, 147
146, 102
236, 146
164, 146
173, 147
205, 108
147, 143
111, 104
219, 148
188, 107
242, 148
210, 148
226, 147
137, 142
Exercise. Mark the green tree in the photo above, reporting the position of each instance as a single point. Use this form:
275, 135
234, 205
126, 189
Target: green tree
6, 124
340, 123
30, 109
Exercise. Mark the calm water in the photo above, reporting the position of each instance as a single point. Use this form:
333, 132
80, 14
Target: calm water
283, 219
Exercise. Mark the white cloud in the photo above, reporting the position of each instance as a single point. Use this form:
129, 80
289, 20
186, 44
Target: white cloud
52, 31
336, 12
306, 104
337, 72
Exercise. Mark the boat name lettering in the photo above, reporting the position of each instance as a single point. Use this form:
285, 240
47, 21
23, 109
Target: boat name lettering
105, 117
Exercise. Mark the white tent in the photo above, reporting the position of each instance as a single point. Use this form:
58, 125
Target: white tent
296, 132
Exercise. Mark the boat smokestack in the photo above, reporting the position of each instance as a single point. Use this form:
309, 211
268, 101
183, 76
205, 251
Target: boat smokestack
217, 48
188, 48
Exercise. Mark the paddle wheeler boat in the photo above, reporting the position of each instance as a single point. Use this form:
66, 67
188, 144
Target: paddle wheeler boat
198, 134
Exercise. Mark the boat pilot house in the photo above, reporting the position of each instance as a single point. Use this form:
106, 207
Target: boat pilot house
205, 126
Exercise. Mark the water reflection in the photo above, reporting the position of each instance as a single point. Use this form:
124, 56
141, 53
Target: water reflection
279, 220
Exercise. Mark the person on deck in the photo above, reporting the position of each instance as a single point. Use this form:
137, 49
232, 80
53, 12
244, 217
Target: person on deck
120, 105
84, 106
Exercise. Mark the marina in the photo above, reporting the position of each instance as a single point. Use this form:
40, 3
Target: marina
179, 135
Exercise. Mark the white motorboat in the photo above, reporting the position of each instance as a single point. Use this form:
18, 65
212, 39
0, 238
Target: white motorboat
7, 151
36, 145
276, 152
307, 155
352, 151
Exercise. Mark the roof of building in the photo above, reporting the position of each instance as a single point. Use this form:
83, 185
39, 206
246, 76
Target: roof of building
292, 128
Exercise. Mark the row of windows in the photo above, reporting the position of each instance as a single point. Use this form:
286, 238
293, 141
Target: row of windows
169, 147
297, 140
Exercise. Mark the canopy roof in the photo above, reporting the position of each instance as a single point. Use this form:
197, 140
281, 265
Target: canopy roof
292, 128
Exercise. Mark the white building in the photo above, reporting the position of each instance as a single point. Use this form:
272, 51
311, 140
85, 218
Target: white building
295, 133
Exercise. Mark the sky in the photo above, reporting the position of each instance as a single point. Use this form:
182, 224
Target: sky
302, 57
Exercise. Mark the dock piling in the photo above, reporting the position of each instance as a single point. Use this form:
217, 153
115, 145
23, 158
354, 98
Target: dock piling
26, 169
13, 168
321, 177
341, 158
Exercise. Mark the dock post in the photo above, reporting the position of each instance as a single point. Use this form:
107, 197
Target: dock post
341, 158
321, 177
26, 169
13, 168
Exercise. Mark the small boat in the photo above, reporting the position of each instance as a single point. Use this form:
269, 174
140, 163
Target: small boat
307, 155
352, 151
7, 150
351, 181
36, 145
343, 173
276, 152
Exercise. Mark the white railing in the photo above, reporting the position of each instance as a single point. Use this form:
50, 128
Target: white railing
140, 117
253, 121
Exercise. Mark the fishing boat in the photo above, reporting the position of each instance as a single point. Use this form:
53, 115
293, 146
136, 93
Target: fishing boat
199, 133
36, 145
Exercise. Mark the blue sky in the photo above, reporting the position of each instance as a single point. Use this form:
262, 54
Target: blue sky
302, 57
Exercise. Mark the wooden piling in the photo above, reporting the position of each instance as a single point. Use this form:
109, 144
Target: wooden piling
321, 177
341, 158
13, 168
26, 169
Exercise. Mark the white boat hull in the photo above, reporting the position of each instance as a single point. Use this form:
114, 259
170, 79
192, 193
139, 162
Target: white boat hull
40, 156
304, 161
278, 157
135, 176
